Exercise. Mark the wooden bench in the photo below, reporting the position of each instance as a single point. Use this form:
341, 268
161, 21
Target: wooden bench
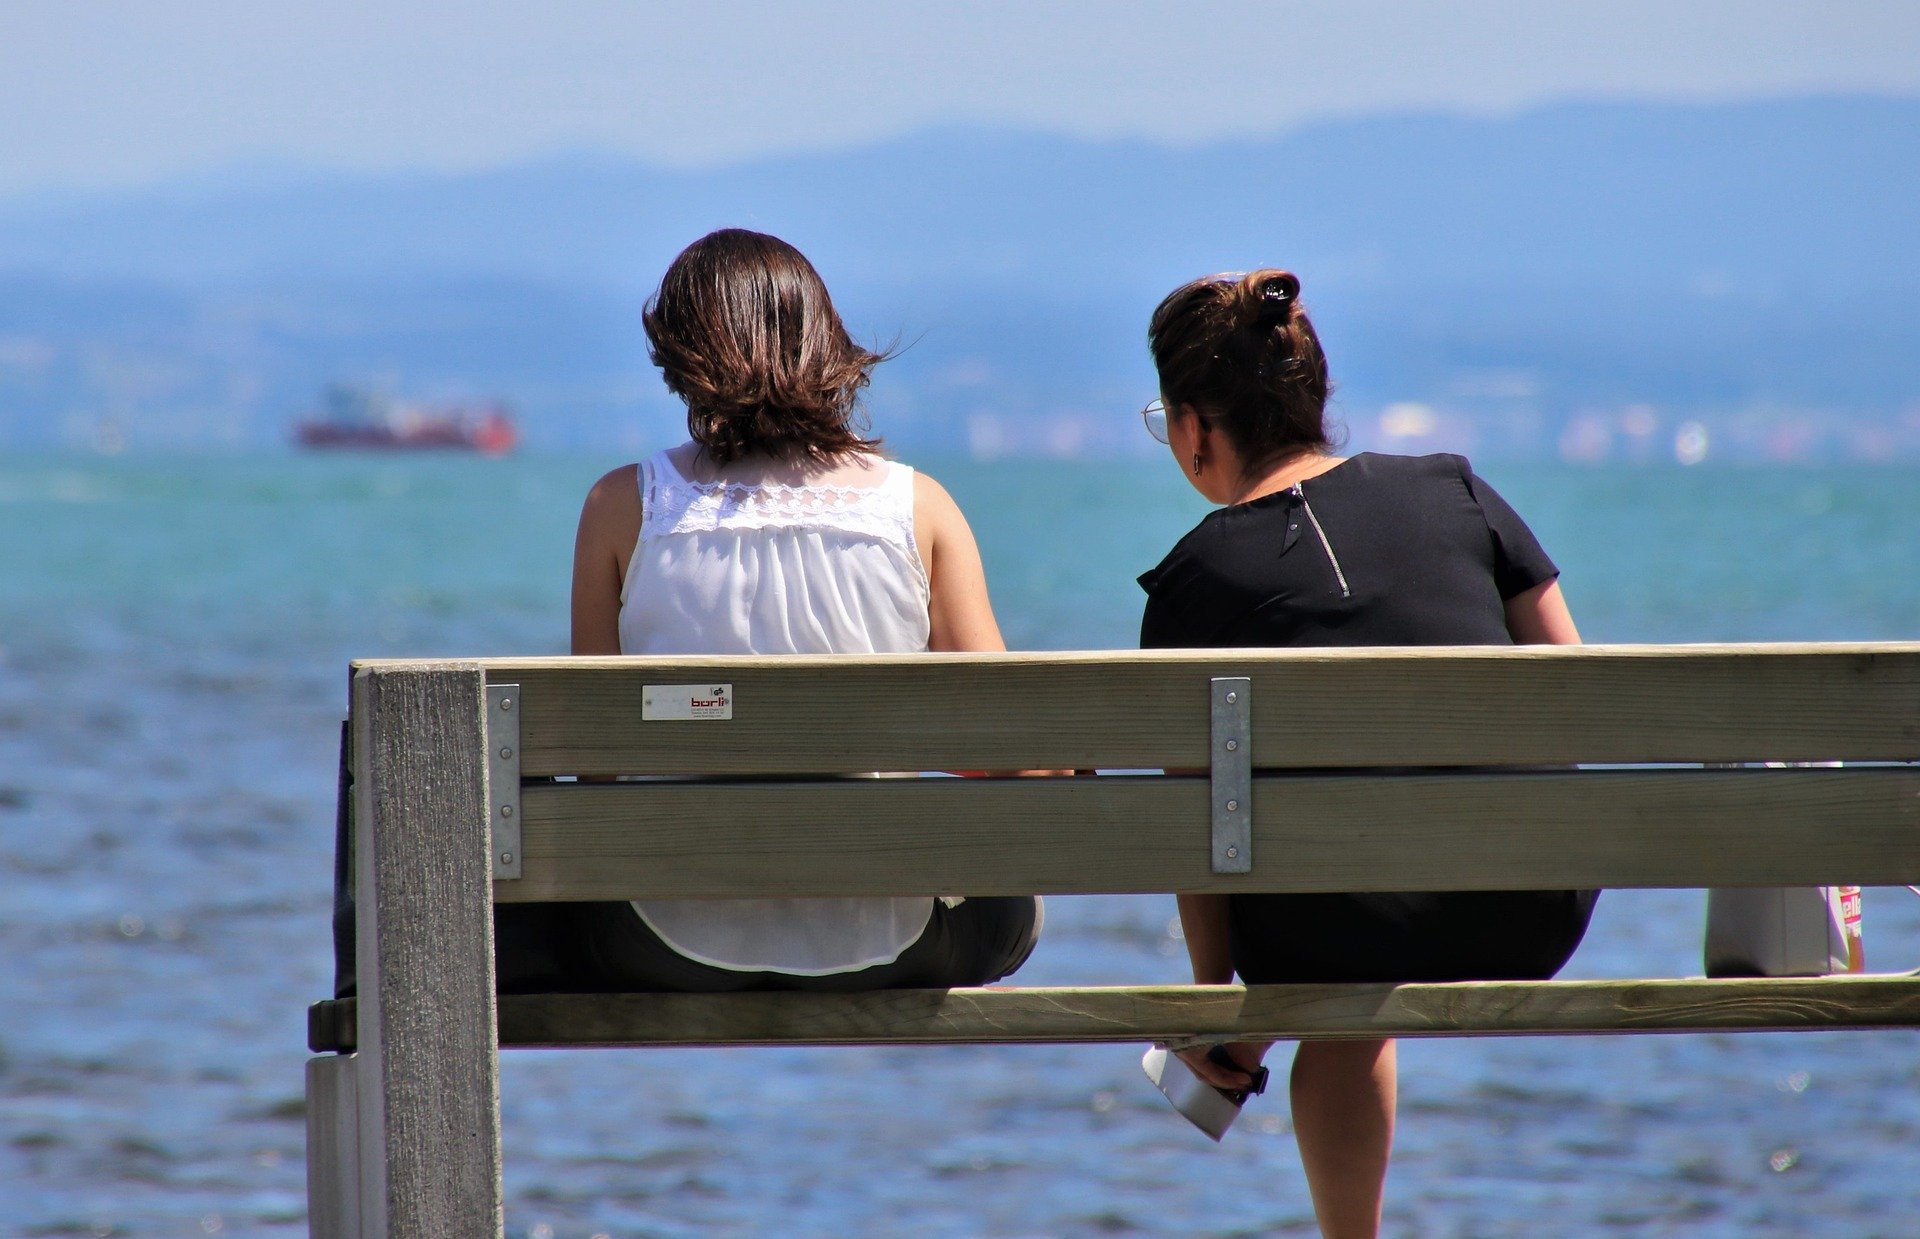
1338, 770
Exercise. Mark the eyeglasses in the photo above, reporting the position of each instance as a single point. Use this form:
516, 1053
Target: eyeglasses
1155, 417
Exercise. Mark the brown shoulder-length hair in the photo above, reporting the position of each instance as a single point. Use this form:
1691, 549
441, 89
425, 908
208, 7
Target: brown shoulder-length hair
743, 331
1240, 351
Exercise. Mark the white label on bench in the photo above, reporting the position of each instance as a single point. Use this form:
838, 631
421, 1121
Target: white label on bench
684, 701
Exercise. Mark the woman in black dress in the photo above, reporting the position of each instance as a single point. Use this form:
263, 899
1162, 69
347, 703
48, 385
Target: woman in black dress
1309, 549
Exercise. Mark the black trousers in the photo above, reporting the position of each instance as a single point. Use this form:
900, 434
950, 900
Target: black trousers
1406, 936
606, 947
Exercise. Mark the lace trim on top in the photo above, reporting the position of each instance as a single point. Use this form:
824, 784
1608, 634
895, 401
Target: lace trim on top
672, 504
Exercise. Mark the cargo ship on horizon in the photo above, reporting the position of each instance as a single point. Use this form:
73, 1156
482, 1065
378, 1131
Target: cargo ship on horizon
356, 419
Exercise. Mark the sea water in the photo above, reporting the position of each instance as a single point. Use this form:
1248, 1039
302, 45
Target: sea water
173, 643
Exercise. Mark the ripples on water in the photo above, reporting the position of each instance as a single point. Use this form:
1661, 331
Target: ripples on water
173, 637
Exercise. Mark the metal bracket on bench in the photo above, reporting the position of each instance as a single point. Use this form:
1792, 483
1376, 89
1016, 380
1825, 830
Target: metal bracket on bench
1231, 759
503, 777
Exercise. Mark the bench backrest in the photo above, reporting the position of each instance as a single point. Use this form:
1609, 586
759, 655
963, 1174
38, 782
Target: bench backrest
1337, 770
1381, 769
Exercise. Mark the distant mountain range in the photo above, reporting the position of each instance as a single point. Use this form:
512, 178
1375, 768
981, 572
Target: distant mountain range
1581, 280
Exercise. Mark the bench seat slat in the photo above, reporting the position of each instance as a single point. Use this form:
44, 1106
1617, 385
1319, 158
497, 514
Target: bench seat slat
1464, 831
1312, 708
1172, 1012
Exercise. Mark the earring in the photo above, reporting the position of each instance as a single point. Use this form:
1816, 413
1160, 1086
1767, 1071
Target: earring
1196, 464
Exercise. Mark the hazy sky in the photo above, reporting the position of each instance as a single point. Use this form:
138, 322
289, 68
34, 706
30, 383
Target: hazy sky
118, 91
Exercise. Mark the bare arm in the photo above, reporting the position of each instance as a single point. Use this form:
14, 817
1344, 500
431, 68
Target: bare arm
1540, 617
1203, 922
961, 615
609, 527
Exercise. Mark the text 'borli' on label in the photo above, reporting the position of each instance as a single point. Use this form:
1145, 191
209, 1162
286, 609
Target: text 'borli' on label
686, 701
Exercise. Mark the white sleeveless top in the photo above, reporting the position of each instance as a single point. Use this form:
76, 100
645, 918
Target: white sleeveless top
744, 567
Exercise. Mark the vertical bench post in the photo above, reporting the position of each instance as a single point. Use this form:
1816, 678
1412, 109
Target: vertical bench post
427, 1065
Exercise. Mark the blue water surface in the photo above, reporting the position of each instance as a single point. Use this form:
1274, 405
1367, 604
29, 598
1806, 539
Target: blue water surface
173, 642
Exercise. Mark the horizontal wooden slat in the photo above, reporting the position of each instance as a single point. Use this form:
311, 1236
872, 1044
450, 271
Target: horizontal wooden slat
1179, 1012
1444, 706
1460, 831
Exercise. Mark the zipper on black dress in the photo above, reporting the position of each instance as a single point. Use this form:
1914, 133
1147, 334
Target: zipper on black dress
1325, 545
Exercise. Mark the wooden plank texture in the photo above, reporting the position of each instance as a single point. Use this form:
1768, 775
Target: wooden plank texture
1461, 831
429, 1107
1311, 708
333, 1188
1178, 1012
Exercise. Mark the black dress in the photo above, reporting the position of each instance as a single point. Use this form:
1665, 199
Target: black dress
1379, 550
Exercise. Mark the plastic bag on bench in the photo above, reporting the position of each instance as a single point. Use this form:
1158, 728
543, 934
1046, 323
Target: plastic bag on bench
1793, 931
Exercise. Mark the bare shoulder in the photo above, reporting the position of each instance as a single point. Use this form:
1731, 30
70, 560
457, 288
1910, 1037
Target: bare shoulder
932, 505
936, 517
616, 487
613, 505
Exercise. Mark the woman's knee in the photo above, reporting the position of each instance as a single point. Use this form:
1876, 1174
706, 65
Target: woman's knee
982, 939
1009, 935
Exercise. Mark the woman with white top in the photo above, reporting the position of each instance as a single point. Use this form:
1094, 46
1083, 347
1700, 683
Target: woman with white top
778, 529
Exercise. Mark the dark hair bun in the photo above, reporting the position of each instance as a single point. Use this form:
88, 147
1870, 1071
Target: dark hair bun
1275, 297
1281, 287
1264, 299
